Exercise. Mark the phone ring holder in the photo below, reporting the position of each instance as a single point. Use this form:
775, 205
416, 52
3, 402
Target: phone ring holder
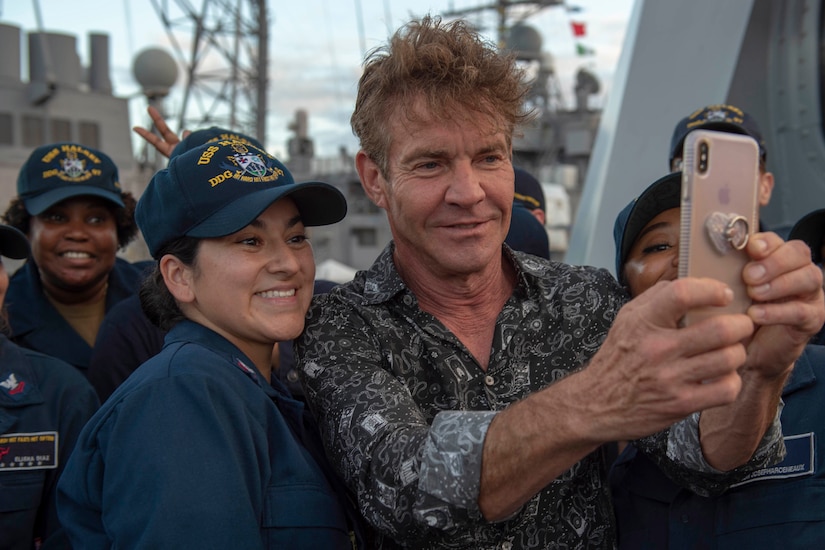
727, 231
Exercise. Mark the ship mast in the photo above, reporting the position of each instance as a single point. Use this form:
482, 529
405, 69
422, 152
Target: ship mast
223, 47
504, 9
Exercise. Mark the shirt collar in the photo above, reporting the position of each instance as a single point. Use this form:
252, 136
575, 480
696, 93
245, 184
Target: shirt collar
191, 332
382, 280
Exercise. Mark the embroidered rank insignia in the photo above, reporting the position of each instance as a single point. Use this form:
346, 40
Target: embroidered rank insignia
247, 369
13, 387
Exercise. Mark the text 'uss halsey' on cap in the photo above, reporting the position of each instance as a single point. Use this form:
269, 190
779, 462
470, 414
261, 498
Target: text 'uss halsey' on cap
59, 171
208, 135
219, 188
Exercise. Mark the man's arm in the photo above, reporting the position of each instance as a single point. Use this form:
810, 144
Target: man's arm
647, 375
788, 309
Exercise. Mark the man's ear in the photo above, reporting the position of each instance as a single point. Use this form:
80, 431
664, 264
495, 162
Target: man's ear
178, 278
765, 188
371, 179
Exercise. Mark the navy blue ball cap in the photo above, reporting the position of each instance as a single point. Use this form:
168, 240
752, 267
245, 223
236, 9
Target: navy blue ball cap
811, 229
528, 191
219, 188
527, 234
724, 118
13, 243
663, 194
59, 171
208, 135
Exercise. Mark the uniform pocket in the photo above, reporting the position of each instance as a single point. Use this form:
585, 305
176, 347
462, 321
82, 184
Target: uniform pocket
764, 515
304, 516
21, 490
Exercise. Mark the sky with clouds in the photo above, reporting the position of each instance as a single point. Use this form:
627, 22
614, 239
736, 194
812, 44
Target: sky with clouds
316, 48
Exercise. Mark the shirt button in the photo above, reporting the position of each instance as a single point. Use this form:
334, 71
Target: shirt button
489, 380
292, 376
506, 545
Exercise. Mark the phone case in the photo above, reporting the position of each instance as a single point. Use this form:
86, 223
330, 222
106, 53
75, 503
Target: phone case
720, 179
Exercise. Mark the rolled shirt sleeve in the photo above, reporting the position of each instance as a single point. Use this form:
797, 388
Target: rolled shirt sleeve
451, 461
686, 465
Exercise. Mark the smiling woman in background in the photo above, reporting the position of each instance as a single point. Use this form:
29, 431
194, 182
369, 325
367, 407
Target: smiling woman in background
77, 217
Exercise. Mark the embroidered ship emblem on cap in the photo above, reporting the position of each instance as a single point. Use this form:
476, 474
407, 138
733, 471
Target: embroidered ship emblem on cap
251, 164
73, 166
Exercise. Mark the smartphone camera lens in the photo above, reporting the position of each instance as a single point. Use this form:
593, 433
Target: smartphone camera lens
703, 157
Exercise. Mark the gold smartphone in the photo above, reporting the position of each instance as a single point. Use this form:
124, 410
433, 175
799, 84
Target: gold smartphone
720, 181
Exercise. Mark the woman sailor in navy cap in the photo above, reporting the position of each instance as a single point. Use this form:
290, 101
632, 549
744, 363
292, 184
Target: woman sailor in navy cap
76, 215
196, 449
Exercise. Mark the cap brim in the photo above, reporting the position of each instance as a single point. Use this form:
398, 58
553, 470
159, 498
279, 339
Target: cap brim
318, 203
13, 243
661, 195
43, 201
811, 228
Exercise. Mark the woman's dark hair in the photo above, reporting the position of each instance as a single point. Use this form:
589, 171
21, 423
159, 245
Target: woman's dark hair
157, 302
17, 216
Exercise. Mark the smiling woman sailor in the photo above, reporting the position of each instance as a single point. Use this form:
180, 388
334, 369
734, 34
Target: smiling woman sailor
231, 461
71, 206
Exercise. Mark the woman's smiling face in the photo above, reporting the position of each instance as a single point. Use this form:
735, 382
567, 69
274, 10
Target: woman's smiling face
654, 255
74, 244
255, 285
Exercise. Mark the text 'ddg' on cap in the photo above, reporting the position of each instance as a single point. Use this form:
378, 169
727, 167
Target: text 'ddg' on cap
219, 188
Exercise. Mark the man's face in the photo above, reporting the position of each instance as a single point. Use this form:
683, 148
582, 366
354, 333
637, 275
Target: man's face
654, 256
449, 193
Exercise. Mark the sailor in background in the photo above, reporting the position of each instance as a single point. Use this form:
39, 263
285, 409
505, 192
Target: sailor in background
44, 403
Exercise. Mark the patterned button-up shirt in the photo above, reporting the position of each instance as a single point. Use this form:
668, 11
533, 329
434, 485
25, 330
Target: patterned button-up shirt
404, 407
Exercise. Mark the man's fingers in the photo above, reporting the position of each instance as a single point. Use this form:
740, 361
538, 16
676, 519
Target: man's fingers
774, 257
647, 395
713, 392
762, 245
715, 333
802, 316
668, 301
801, 284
